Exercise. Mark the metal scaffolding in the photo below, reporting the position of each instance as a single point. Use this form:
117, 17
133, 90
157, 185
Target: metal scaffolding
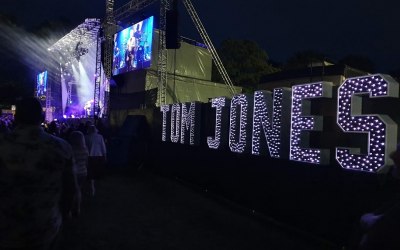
135, 5
162, 54
203, 33
97, 80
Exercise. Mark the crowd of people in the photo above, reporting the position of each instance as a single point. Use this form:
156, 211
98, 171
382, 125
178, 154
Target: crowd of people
44, 170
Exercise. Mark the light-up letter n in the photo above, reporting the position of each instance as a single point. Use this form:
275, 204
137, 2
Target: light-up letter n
267, 120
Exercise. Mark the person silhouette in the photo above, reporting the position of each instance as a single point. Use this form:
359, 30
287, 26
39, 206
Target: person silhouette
37, 181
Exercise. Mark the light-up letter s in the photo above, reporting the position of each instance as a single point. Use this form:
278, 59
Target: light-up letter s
381, 129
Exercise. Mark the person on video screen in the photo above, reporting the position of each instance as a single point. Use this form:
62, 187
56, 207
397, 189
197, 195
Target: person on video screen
130, 51
41, 85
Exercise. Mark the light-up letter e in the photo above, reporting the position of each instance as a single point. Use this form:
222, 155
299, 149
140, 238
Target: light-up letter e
381, 129
302, 122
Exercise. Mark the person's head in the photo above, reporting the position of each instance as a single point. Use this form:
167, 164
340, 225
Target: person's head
29, 111
77, 139
91, 129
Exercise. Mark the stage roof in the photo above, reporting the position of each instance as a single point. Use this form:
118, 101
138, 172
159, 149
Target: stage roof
85, 34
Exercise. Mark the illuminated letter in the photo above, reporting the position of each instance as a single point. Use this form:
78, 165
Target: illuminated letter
221, 122
190, 126
274, 125
381, 130
175, 122
239, 130
164, 109
301, 120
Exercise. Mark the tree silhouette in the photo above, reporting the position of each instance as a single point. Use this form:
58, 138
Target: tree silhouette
244, 61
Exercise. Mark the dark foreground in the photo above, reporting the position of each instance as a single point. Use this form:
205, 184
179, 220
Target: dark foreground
146, 211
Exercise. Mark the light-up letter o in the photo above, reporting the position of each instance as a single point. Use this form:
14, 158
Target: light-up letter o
239, 129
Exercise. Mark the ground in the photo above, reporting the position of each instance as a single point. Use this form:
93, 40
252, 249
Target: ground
148, 211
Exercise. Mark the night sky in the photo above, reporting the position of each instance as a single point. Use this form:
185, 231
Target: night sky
282, 28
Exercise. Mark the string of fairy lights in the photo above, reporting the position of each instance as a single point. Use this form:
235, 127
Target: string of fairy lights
190, 123
239, 132
221, 117
381, 130
299, 123
263, 118
262, 123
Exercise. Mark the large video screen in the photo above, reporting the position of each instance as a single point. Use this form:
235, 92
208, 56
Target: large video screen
132, 47
41, 84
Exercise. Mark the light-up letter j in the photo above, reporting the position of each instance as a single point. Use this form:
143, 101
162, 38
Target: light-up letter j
220, 140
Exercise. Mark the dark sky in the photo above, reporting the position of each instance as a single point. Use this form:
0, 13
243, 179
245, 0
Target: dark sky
335, 28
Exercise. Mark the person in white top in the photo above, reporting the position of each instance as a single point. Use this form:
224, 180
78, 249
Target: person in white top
97, 155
